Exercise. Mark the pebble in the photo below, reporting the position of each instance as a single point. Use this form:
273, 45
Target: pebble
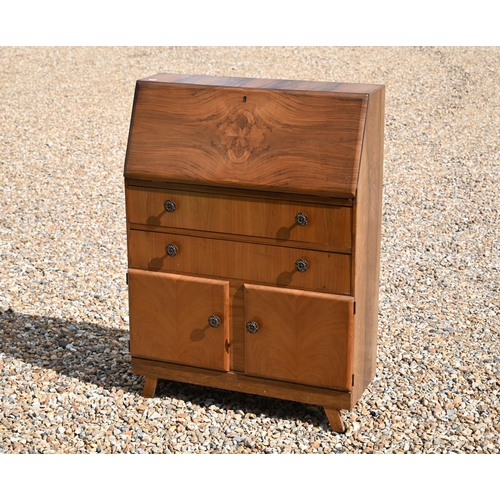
66, 384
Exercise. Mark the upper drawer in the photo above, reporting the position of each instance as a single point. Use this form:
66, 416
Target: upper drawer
280, 220
296, 139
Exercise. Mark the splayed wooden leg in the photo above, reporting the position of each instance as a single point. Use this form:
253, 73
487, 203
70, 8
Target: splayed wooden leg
335, 420
149, 387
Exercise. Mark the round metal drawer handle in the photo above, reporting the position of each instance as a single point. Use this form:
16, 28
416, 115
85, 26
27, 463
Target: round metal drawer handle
301, 219
170, 206
214, 321
252, 327
172, 249
301, 265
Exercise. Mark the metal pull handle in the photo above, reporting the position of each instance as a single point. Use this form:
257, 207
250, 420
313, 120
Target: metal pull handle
252, 327
170, 206
214, 321
301, 219
172, 249
301, 265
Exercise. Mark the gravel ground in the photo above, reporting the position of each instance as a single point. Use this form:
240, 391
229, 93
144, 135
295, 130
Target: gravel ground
65, 378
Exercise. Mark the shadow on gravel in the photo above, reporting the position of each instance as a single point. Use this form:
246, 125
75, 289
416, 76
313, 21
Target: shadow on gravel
97, 355
86, 351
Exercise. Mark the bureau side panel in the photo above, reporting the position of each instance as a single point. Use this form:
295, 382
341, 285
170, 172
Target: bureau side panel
366, 255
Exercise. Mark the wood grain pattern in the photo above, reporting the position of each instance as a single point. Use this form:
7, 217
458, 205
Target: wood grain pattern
285, 140
239, 215
267, 264
237, 334
242, 383
169, 319
335, 420
247, 193
149, 387
303, 337
263, 83
241, 157
367, 234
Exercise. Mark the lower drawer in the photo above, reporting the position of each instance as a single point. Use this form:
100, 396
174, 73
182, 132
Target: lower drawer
274, 265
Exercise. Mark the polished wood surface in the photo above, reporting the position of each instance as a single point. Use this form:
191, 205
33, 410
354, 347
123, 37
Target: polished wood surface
335, 420
367, 234
239, 215
241, 158
169, 319
287, 140
270, 264
303, 337
242, 383
247, 193
237, 334
263, 83
149, 387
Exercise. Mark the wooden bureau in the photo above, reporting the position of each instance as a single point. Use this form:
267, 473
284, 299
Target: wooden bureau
253, 223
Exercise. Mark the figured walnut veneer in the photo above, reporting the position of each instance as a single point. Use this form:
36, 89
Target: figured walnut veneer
253, 222
248, 137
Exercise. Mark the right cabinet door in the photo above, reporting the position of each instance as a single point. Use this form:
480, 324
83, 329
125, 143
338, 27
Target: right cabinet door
297, 336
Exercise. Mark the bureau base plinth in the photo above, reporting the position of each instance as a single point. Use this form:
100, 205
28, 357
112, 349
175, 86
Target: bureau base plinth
331, 400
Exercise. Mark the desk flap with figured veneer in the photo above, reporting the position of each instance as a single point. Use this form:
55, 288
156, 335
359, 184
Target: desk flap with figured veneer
257, 136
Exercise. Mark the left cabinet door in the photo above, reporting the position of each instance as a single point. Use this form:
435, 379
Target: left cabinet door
179, 319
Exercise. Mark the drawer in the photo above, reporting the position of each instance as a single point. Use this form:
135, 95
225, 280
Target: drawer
270, 264
328, 225
179, 319
300, 337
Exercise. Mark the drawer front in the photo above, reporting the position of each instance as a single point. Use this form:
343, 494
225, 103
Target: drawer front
275, 265
278, 220
179, 319
300, 337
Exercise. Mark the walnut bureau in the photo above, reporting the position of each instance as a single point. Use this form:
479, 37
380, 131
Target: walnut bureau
253, 222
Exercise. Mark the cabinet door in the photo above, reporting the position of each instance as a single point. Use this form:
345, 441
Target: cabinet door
301, 337
179, 319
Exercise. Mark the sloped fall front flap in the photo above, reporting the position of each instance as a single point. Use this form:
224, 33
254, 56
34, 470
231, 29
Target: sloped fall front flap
298, 137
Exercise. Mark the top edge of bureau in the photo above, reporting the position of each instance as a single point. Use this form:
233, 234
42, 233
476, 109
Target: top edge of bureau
262, 83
